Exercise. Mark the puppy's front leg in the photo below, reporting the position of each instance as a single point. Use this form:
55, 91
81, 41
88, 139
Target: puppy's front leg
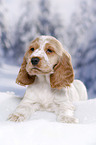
27, 106
65, 113
23, 111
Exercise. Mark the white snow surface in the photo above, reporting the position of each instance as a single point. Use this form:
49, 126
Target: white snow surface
42, 128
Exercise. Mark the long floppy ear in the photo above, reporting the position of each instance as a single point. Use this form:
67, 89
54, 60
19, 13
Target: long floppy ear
23, 77
63, 74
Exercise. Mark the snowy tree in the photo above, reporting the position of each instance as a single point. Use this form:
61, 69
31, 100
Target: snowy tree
85, 62
81, 21
83, 45
24, 32
4, 40
48, 23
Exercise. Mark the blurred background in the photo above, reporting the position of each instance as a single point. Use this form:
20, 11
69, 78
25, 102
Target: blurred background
72, 22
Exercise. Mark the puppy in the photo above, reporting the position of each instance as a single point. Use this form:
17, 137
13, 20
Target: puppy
48, 73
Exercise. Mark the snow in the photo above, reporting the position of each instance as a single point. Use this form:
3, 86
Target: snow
65, 8
42, 128
8, 75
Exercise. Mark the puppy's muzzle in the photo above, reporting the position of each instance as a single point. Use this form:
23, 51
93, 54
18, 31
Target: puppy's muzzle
35, 60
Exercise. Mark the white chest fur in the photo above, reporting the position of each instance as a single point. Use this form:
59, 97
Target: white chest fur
41, 92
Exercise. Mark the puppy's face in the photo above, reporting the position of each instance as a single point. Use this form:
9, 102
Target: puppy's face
42, 56
46, 56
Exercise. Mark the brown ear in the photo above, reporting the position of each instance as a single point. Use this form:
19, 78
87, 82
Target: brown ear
23, 77
63, 73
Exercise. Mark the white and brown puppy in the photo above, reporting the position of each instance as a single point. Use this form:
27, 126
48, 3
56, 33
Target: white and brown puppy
48, 72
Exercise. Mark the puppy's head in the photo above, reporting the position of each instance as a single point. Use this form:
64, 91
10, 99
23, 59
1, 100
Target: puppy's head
46, 56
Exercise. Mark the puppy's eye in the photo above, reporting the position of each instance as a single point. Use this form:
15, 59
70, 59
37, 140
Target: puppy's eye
32, 49
49, 51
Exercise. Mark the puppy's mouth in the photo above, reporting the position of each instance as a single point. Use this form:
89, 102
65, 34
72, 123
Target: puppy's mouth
35, 69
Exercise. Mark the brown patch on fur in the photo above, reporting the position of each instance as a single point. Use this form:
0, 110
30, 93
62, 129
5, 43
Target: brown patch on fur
63, 73
23, 77
35, 40
34, 45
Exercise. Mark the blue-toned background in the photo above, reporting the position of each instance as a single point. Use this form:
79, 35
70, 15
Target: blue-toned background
72, 22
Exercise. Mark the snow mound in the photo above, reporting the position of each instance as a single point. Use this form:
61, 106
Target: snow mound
42, 128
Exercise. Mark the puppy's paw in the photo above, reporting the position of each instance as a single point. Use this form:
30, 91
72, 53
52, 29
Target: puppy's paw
67, 119
16, 117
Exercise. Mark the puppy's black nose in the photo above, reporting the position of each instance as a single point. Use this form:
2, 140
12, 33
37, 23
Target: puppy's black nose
35, 60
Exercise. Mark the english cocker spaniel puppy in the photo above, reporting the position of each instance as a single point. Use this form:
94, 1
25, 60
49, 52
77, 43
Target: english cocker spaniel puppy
48, 72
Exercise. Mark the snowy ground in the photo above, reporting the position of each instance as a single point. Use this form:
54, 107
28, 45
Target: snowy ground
42, 128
